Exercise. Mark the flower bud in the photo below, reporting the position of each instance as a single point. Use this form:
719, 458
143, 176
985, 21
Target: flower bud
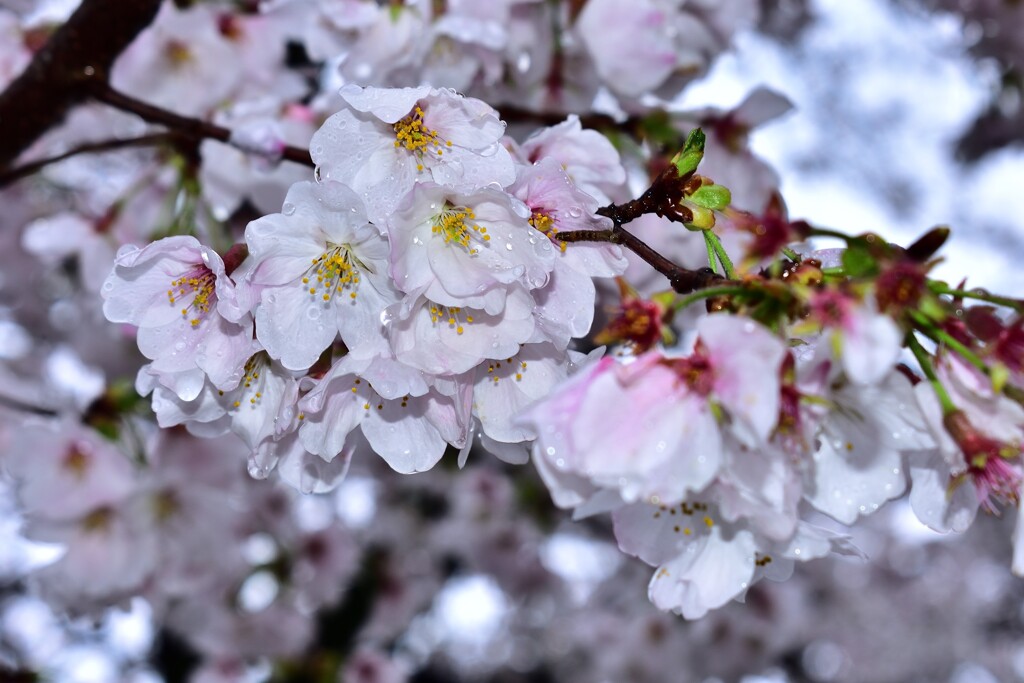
701, 218
687, 159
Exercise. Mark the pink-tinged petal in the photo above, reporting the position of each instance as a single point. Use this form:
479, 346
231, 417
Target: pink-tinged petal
137, 291
387, 104
504, 389
706, 575
631, 45
650, 531
565, 306
871, 345
466, 121
567, 490
263, 407
855, 471
693, 453
331, 410
403, 435
64, 470
469, 169
1018, 541
294, 329
939, 507
589, 159
438, 347
310, 473
746, 359
204, 409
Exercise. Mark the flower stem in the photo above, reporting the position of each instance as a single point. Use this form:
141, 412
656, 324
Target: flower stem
711, 251
723, 258
940, 336
943, 288
707, 294
929, 371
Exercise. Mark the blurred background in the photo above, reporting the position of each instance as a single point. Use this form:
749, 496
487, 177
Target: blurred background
907, 114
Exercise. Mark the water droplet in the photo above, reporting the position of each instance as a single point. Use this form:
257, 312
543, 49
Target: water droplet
256, 470
288, 209
518, 271
508, 245
179, 346
313, 312
575, 212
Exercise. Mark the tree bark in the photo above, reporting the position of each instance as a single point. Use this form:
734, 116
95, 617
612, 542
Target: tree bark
59, 76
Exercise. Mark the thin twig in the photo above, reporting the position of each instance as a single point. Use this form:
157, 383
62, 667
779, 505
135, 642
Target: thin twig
154, 139
193, 128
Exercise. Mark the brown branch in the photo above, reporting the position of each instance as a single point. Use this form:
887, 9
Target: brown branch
682, 280
192, 128
18, 172
59, 76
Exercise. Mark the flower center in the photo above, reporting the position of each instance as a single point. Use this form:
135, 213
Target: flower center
451, 315
686, 518
457, 224
371, 397
251, 386
199, 283
545, 224
510, 367
412, 134
333, 271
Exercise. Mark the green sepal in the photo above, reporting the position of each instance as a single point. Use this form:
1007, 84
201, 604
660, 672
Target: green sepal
714, 197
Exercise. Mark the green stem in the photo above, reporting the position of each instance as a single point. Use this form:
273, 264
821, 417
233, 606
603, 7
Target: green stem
943, 288
720, 252
711, 251
926, 366
791, 255
940, 336
707, 294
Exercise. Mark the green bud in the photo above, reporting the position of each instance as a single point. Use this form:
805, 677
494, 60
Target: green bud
714, 197
689, 157
703, 219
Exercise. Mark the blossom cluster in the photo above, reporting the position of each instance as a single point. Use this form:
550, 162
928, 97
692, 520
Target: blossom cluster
414, 296
440, 286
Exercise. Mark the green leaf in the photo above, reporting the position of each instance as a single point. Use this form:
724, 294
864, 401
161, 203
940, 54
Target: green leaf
858, 262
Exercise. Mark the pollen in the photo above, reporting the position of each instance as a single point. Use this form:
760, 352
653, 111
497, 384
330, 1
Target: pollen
335, 270
458, 225
199, 284
450, 315
413, 134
